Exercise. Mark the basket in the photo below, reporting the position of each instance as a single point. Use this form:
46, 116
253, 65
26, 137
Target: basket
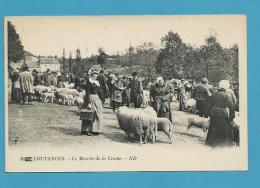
88, 115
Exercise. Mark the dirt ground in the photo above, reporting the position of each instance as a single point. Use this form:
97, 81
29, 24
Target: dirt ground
59, 125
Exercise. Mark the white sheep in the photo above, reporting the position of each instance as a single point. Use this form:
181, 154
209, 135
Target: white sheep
190, 105
140, 121
64, 98
165, 125
68, 91
47, 96
199, 122
70, 100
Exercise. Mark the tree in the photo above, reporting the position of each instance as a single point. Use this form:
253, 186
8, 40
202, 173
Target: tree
15, 47
147, 54
171, 56
214, 60
130, 56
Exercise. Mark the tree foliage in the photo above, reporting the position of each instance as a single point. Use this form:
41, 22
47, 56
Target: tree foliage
15, 47
177, 59
147, 54
171, 57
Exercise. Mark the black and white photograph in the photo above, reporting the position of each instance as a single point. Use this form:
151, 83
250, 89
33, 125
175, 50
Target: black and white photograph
126, 93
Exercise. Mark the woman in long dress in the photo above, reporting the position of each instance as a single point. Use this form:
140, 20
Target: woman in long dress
93, 102
221, 115
161, 96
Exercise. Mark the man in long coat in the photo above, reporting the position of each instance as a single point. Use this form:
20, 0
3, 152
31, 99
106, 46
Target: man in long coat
136, 95
26, 84
104, 91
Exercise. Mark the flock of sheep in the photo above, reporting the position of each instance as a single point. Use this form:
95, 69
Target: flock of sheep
65, 96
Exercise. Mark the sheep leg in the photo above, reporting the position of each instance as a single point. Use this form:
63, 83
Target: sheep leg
155, 132
188, 127
205, 130
126, 135
169, 135
153, 137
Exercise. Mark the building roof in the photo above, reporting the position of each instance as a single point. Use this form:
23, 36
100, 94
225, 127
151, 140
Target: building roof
49, 60
31, 64
26, 53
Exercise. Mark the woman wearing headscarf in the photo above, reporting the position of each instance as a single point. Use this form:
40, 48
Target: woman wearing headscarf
221, 115
161, 96
93, 102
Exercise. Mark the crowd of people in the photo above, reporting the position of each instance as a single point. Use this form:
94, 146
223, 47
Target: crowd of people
217, 102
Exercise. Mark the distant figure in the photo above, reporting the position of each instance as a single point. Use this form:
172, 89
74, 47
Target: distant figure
15, 92
136, 94
37, 79
117, 89
76, 81
26, 84
201, 94
47, 78
104, 91
126, 92
53, 78
60, 83
182, 95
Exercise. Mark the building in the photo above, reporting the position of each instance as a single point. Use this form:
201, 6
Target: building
50, 63
39, 63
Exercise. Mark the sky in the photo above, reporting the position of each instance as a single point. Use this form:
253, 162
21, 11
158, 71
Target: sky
50, 35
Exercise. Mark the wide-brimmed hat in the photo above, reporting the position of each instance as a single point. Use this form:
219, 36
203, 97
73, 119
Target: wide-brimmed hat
224, 84
92, 71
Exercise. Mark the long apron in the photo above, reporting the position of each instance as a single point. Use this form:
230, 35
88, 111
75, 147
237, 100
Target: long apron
96, 105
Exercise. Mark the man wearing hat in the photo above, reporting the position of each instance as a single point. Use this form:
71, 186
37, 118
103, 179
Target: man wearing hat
136, 94
26, 84
201, 94
104, 91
